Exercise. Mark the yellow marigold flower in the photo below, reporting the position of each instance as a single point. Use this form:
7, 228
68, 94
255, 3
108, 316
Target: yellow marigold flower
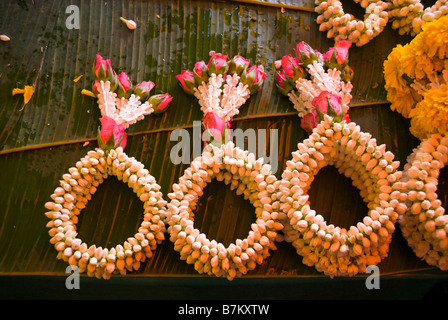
403, 101
431, 114
393, 70
413, 75
434, 38
399, 93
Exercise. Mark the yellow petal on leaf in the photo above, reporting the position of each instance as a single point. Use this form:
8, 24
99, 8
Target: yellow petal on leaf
17, 91
27, 93
88, 93
77, 79
29, 90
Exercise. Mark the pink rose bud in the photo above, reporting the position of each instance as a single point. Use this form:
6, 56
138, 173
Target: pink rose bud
111, 135
237, 65
309, 121
125, 87
160, 102
217, 64
186, 80
95, 85
216, 128
282, 83
200, 72
328, 103
306, 55
320, 56
102, 69
253, 77
292, 69
337, 56
143, 89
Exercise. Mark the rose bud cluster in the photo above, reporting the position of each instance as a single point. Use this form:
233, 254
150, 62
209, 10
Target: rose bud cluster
122, 85
122, 103
293, 68
316, 83
223, 84
324, 103
220, 64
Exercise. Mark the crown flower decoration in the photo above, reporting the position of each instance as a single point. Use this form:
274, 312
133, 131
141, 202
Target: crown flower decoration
122, 103
221, 86
317, 83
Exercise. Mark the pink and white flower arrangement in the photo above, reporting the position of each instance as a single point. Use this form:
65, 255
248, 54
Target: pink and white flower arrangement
122, 102
222, 86
317, 83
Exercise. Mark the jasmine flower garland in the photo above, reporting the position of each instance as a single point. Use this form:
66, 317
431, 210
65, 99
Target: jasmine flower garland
222, 86
247, 176
424, 225
343, 26
322, 100
333, 250
409, 16
121, 105
76, 189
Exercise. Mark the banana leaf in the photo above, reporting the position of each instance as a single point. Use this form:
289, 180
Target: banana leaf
39, 141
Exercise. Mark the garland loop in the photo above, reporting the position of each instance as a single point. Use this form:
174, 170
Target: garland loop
249, 177
331, 249
76, 189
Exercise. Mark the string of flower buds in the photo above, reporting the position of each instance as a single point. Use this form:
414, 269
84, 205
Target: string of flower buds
330, 249
409, 16
343, 26
248, 176
81, 182
424, 225
222, 86
76, 189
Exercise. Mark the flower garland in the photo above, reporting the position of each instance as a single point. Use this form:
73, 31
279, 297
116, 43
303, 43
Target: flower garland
76, 189
331, 249
222, 86
343, 26
81, 182
322, 99
409, 16
416, 77
249, 177
424, 224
